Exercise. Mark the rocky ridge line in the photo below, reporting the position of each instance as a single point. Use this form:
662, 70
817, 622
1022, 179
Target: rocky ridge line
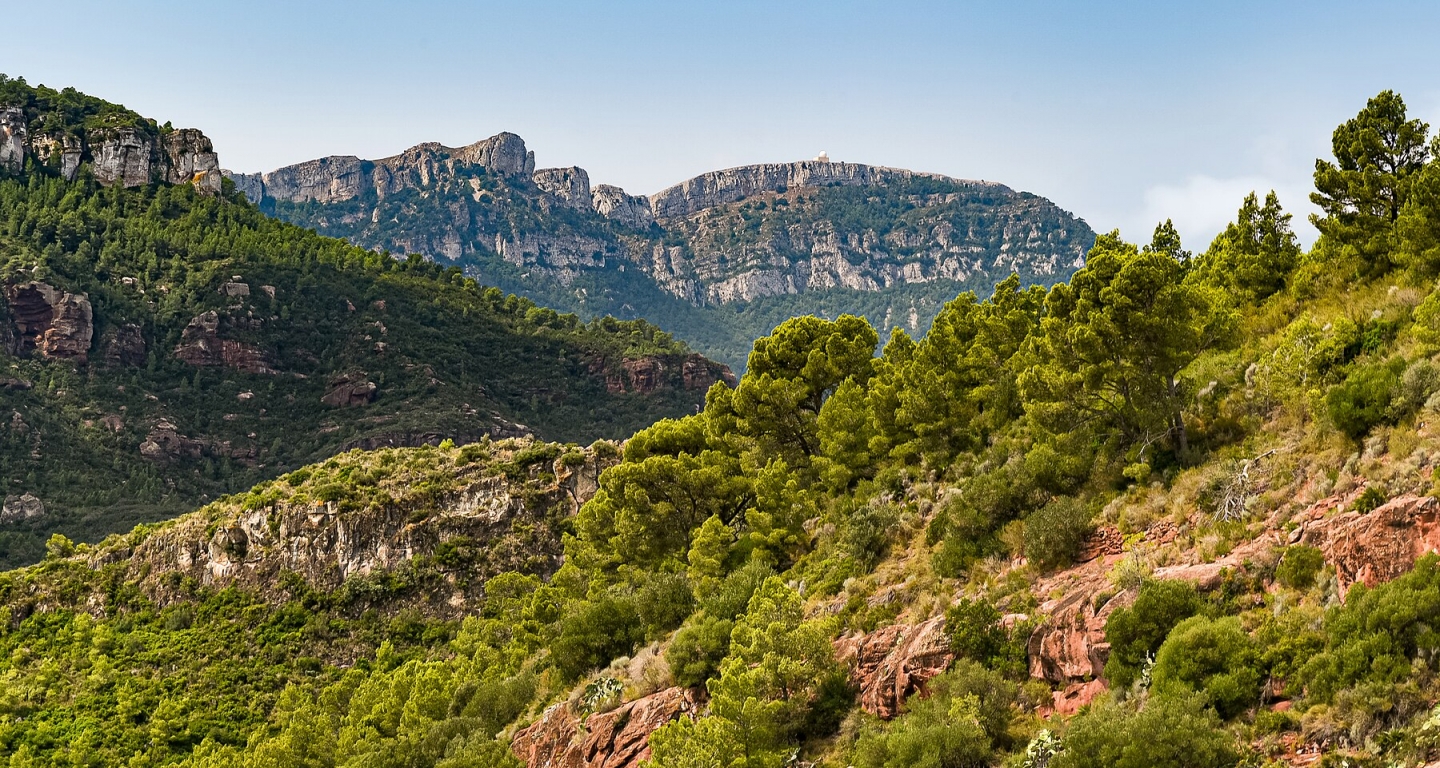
120, 155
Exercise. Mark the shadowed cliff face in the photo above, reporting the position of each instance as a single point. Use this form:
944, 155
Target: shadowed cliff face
808, 237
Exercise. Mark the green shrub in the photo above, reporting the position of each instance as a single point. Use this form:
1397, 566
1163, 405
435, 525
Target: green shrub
728, 598
1054, 533
592, 633
694, 655
1170, 730
1299, 566
1375, 636
1136, 632
1362, 401
1369, 500
963, 718
1212, 656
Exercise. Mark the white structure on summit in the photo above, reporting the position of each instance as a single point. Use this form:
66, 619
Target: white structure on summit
822, 157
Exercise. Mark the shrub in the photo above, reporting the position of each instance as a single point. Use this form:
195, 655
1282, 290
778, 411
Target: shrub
1138, 631
728, 598
1374, 636
1173, 730
694, 655
1418, 383
975, 631
1299, 566
594, 632
1362, 401
1212, 656
964, 716
1054, 533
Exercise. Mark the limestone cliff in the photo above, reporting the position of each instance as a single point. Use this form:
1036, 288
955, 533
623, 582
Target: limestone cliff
129, 154
729, 237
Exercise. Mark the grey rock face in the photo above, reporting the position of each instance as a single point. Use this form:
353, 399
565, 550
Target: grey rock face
192, 160
23, 507
733, 184
570, 185
12, 138
64, 150
123, 156
615, 204
345, 177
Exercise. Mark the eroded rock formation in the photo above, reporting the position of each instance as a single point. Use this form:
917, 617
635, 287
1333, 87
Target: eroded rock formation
571, 186
890, 664
127, 155
734, 235
49, 321
350, 390
22, 507
201, 346
1377, 546
615, 739
123, 346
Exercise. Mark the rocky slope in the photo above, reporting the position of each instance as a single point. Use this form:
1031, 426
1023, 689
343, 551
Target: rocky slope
809, 236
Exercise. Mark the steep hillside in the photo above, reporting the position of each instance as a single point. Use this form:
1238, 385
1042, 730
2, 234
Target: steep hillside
163, 342
1179, 511
717, 260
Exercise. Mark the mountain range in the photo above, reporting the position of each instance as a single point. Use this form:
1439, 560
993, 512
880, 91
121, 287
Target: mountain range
718, 259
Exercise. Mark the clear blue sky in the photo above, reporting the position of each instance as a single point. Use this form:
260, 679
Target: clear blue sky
1123, 112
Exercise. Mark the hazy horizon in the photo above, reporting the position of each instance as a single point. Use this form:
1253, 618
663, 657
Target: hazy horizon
1123, 113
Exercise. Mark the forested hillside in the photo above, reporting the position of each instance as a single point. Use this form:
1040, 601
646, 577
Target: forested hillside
1177, 511
163, 343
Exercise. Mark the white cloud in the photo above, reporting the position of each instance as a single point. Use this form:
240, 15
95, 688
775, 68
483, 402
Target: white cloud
1203, 205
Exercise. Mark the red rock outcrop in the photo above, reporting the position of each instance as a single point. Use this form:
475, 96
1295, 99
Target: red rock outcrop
1070, 644
700, 373
164, 443
123, 346
891, 663
1074, 697
615, 739
350, 390
1377, 546
201, 346
644, 375
47, 320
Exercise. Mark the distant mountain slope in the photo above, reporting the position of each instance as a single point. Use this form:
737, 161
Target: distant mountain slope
718, 259
162, 341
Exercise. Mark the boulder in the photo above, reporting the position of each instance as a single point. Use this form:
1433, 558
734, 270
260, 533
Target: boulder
1075, 696
891, 663
22, 507
615, 739
1374, 547
350, 391
165, 444
47, 320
